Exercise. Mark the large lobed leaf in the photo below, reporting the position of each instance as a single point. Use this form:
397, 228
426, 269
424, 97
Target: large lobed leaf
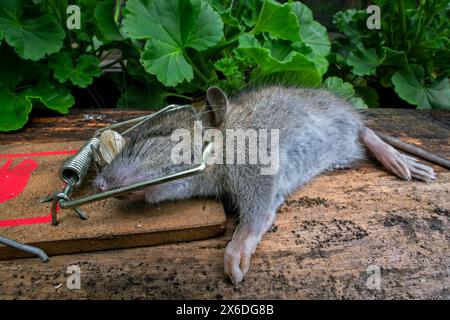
410, 85
312, 33
365, 61
15, 106
33, 38
80, 73
344, 90
16, 99
14, 110
300, 67
104, 15
171, 27
279, 20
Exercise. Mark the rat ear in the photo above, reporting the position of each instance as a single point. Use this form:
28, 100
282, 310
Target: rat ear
217, 100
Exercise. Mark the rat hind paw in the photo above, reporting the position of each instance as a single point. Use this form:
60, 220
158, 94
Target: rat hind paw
419, 170
407, 167
237, 259
401, 165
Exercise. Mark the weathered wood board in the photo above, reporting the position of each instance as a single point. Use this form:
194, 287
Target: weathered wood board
326, 236
28, 172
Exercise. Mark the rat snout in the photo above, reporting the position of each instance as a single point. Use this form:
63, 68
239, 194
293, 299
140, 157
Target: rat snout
100, 184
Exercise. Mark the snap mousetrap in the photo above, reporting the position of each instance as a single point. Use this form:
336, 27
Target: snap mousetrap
38, 224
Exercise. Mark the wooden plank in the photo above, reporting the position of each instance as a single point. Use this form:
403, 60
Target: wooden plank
32, 173
325, 237
81, 123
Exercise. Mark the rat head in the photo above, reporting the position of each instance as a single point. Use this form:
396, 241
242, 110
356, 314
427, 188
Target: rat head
153, 151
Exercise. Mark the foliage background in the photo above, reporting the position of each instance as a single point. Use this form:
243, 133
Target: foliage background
173, 50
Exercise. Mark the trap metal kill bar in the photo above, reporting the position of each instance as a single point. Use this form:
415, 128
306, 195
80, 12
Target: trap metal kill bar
74, 170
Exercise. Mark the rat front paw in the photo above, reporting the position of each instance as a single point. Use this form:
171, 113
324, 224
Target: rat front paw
237, 259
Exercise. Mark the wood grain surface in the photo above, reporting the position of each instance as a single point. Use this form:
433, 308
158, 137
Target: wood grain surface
327, 238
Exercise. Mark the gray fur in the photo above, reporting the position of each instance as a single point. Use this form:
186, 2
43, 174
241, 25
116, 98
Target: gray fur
309, 121
318, 132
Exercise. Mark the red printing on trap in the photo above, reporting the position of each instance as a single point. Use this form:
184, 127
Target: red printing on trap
14, 180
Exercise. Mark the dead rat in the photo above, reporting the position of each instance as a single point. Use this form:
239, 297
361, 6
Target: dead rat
316, 132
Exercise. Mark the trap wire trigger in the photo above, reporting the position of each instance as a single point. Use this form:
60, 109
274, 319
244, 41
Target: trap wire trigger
75, 169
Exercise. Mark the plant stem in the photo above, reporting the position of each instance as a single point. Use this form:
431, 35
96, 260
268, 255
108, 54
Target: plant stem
419, 21
117, 11
196, 70
427, 21
401, 11
226, 45
430, 14
170, 94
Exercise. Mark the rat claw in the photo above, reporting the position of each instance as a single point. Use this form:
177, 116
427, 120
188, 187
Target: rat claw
423, 175
403, 168
419, 170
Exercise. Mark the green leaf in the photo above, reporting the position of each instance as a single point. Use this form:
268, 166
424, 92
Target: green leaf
167, 63
17, 105
312, 33
230, 20
230, 69
298, 65
410, 86
14, 110
369, 95
319, 60
394, 58
172, 27
250, 10
225, 11
344, 90
340, 88
32, 38
58, 99
352, 23
358, 103
104, 14
304, 14
364, 61
13, 69
81, 74
279, 20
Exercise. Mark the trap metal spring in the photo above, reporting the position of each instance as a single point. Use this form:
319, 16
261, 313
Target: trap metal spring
75, 169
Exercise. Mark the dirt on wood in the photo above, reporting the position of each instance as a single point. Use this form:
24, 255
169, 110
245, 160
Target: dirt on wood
328, 239
112, 223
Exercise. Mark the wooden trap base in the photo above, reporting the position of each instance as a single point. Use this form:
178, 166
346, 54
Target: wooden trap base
30, 172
